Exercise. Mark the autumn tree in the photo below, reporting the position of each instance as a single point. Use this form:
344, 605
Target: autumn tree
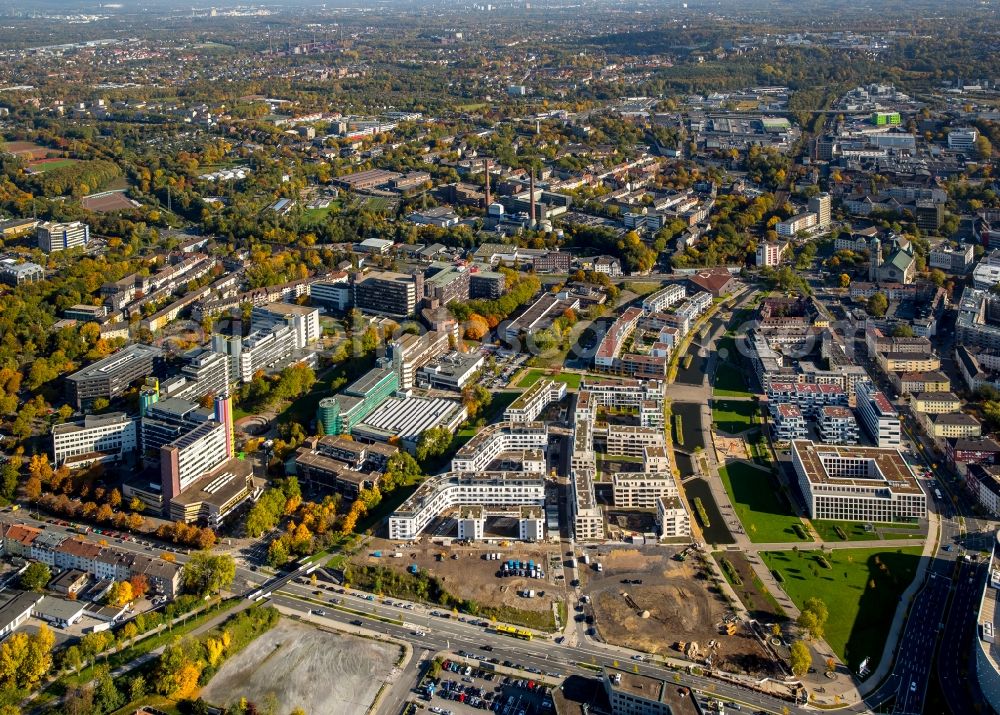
35, 577
207, 573
799, 658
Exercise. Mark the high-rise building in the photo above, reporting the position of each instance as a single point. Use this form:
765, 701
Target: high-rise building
53, 236
411, 352
878, 416
769, 254
303, 320
109, 377
388, 293
820, 205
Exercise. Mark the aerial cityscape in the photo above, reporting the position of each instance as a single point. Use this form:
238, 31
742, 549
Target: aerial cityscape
537, 358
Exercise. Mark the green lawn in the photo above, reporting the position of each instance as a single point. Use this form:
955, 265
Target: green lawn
732, 416
729, 382
571, 379
861, 591
50, 165
855, 530
761, 506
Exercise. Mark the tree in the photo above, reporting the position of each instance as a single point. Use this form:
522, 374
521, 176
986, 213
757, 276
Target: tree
140, 585
35, 577
984, 148
902, 331
845, 280
813, 617
120, 594
208, 573
800, 658
877, 305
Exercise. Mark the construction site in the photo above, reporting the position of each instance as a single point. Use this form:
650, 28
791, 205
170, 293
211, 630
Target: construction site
649, 600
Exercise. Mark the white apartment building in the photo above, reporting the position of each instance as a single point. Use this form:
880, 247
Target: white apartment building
664, 298
641, 490
769, 253
530, 403
95, 438
838, 426
480, 451
799, 222
809, 397
788, 423
587, 515
694, 306
496, 490
620, 394
857, 483
820, 205
303, 320
878, 416
672, 518
630, 440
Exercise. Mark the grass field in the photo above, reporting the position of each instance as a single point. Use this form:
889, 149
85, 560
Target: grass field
570, 379
855, 531
761, 507
729, 382
377, 204
50, 164
732, 416
861, 591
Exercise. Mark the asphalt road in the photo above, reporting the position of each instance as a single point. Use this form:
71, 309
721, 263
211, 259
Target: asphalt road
541, 654
954, 661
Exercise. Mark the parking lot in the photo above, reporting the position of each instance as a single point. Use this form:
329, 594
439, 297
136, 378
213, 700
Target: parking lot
463, 688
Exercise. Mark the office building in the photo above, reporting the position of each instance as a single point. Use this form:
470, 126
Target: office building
452, 371
96, 438
636, 694
204, 372
837, 425
857, 483
338, 464
877, 415
332, 295
405, 419
987, 602
14, 274
266, 351
53, 236
963, 138
340, 413
387, 293
487, 284
540, 315
111, 376
411, 352
303, 320
952, 259
444, 283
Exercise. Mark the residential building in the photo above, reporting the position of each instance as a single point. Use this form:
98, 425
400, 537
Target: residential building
788, 423
799, 222
910, 383
111, 376
986, 273
838, 426
664, 298
672, 518
303, 320
857, 483
952, 425
936, 403
641, 490
95, 438
527, 406
820, 205
972, 450
769, 253
952, 259
53, 236
877, 415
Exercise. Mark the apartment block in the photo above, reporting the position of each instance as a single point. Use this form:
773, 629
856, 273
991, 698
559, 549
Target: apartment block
388, 293
837, 425
530, 403
788, 423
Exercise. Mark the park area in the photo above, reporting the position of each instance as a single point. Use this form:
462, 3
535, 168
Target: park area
834, 531
861, 589
761, 504
288, 663
733, 416
730, 376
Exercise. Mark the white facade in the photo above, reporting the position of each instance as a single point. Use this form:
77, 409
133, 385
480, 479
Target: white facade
642, 490
477, 454
664, 298
530, 403
857, 483
878, 415
801, 222
769, 254
113, 433
838, 426
53, 236
303, 321
963, 139
672, 518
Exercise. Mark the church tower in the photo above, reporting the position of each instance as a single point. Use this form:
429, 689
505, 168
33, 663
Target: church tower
875, 261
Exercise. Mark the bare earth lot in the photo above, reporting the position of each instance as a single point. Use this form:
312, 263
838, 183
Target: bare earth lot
292, 658
470, 576
681, 607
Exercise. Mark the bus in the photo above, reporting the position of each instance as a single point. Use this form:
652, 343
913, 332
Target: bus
515, 632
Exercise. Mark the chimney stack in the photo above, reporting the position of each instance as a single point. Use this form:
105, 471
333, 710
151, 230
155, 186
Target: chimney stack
531, 189
486, 170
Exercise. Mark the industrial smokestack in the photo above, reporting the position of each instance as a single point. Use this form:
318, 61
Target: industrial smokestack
531, 189
486, 170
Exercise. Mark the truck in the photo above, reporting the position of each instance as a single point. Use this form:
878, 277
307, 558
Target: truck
600, 566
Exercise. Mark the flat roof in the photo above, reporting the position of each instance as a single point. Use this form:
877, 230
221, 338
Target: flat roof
676, 697
885, 466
